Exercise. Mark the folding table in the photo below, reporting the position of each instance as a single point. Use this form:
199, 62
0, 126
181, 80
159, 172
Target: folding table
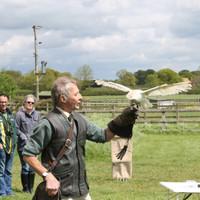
181, 190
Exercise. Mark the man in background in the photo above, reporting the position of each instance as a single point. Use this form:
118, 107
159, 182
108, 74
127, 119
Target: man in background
7, 145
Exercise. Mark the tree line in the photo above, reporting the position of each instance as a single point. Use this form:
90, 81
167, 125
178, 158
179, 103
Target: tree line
15, 83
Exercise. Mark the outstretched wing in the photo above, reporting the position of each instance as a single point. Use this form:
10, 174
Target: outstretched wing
170, 89
110, 84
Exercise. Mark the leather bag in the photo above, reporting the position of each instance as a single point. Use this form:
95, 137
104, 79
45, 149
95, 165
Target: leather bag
41, 194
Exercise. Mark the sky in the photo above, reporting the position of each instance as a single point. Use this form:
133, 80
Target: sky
107, 35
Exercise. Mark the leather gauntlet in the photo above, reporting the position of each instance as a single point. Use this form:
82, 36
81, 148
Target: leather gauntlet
122, 125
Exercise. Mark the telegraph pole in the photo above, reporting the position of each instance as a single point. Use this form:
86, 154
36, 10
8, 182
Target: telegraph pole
36, 60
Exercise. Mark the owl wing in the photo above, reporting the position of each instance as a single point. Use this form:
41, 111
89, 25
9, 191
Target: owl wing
170, 89
113, 85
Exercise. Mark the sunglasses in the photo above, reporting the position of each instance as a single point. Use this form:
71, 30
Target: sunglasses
29, 102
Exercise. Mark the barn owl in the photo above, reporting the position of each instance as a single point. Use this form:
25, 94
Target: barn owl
140, 97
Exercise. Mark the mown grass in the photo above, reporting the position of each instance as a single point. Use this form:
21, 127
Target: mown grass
169, 153
156, 158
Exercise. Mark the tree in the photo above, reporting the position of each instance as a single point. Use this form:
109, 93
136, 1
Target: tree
142, 74
168, 76
195, 82
185, 74
152, 80
28, 82
7, 85
50, 76
15, 75
84, 73
126, 78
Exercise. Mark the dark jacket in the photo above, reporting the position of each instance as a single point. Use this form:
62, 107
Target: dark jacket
7, 131
25, 122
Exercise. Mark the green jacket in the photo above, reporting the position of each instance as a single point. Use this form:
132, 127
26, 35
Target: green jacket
7, 131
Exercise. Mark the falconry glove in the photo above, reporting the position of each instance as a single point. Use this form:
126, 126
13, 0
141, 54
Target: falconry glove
122, 125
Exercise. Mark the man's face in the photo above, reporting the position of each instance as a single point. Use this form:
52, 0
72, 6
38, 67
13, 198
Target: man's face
74, 99
3, 103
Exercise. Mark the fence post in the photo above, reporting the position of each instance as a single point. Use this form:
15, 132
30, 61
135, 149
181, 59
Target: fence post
113, 110
145, 116
177, 113
164, 121
47, 109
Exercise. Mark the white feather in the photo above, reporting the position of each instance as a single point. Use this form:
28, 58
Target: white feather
170, 89
139, 97
113, 85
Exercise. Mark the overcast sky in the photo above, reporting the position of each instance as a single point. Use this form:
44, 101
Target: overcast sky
108, 35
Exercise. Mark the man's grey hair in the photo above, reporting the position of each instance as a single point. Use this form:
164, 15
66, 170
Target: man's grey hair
29, 96
60, 87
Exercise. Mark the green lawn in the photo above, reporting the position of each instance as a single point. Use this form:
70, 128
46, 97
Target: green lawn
159, 155
156, 158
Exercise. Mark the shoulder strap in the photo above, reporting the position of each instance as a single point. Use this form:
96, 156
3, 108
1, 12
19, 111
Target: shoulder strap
65, 147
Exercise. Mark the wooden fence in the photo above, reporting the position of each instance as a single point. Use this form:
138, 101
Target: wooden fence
180, 112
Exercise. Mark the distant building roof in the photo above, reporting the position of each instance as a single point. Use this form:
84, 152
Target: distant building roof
45, 94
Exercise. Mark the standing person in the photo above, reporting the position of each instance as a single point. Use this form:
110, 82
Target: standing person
7, 145
49, 137
26, 118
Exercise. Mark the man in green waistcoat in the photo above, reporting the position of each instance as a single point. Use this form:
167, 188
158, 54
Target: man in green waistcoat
48, 137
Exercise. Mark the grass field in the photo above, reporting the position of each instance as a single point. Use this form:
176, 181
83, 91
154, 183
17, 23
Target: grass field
157, 157
172, 154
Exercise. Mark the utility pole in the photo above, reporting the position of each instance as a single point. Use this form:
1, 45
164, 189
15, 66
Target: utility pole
43, 63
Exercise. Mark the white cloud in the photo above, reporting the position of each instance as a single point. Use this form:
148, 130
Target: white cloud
106, 34
99, 44
14, 43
